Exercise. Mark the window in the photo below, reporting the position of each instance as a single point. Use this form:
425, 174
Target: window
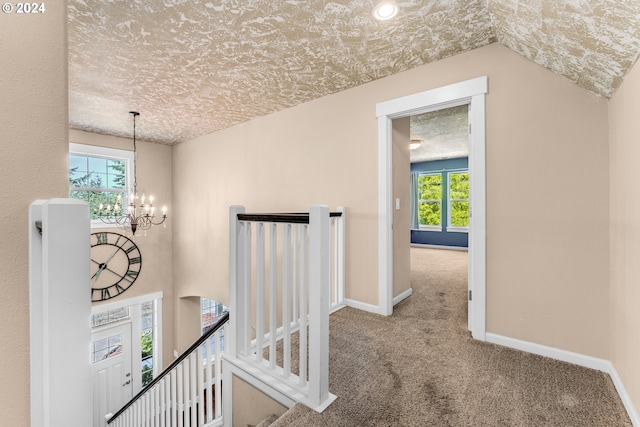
105, 348
99, 175
458, 199
146, 342
111, 316
211, 312
430, 200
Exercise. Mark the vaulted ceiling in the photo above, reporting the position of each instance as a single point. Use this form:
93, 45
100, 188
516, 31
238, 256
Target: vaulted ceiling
192, 67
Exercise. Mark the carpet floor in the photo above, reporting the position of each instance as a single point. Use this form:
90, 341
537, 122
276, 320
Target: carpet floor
420, 367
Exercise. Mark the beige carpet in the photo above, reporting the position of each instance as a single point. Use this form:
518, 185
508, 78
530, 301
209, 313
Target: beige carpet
420, 367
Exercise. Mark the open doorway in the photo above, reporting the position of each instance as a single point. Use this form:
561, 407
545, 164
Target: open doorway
471, 93
439, 178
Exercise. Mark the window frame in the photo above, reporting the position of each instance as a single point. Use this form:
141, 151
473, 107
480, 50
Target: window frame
422, 227
105, 153
453, 228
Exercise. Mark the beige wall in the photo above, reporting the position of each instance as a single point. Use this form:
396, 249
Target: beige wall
251, 406
34, 145
154, 175
547, 212
624, 134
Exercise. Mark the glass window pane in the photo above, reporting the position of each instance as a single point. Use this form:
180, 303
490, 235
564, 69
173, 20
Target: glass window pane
211, 312
430, 213
78, 178
430, 187
78, 163
459, 186
106, 347
101, 344
115, 181
97, 165
460, 214
98, 180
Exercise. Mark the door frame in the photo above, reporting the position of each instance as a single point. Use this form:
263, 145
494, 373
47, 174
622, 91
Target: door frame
471, 92
136, 348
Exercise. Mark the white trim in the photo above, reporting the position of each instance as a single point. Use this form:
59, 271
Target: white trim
550, 352
109, 153
449, 248
453, 229
432, 228
470, 92
375, 309
135, 313
624, 396
113, 305
243, 371
575, 358
402, 296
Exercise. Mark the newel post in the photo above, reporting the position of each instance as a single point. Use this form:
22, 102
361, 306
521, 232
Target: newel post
319, 298
235, 339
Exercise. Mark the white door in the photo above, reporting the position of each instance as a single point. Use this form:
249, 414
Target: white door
111, 371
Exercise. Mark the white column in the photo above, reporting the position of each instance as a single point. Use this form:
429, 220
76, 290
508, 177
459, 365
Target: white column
319, 290
236, 276
60, 310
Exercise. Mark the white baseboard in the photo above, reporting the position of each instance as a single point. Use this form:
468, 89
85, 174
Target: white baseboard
374, 308
405, 294
624, 396
363, 306
450, 248
577, 359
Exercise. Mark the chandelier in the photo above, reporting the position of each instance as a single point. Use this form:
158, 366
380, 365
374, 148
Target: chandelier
139, 214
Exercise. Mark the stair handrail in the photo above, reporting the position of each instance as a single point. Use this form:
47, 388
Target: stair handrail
223, 319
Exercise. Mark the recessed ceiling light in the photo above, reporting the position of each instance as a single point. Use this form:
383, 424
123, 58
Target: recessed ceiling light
385, 10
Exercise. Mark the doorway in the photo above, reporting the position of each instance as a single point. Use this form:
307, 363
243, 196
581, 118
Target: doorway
111, 359
471, 92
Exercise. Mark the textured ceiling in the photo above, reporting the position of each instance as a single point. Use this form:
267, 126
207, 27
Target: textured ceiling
444, 134
193, 67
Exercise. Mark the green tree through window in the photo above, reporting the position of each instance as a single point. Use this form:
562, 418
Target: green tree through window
97, 180
430, 197
459, 199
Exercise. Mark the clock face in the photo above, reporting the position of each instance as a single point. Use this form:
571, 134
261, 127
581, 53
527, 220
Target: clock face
115, 265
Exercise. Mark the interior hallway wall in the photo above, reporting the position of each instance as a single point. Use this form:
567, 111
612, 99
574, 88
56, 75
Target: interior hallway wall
624, 134
547, 233
34, 138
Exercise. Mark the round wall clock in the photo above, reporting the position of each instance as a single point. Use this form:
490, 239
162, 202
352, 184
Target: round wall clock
115, 265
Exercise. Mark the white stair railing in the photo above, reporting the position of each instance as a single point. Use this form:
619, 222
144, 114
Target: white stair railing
283, 285
187, 394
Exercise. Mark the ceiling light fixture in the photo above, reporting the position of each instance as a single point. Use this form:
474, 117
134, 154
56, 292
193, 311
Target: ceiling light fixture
140, 212
414, 143
385, 10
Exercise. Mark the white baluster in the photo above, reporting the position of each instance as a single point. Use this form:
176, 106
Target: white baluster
340, 250
286, 300
303, 333
294, 275
201, 384
259, 291
218, 377
174, 398
210, 352
247, 289
164, 398
193, 383
273, 295
180, 395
